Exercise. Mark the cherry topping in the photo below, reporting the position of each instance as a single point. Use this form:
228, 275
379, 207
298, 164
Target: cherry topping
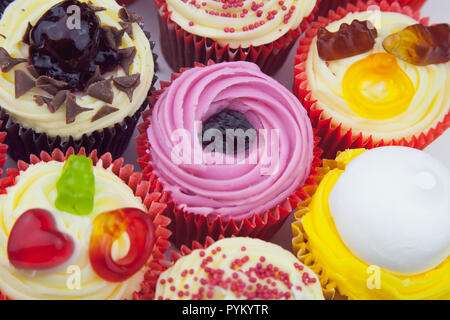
68, 44
109, 227
35, 243
233, 120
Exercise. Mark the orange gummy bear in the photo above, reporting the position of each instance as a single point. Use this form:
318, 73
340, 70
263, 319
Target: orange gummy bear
420, 45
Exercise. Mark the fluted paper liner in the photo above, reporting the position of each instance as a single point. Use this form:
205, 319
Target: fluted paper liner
300, 239
182, 49
152, 198
187, 227
334, 137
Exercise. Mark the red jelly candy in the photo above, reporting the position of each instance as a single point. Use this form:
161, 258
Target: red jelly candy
109, 227
35, 243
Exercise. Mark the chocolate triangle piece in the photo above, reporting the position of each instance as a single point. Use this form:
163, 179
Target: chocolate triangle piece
126, 57
26, 36
22, 83
32, 71
128, 16
128, 28
73, 109
41, 100
103, 112
7, 62
128, 84
58, 101
102, 90
44, 80
113, 36
95, 8
96, 77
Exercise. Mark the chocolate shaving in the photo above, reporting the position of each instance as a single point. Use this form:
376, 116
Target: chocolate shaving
96, 77
32, 71
50, 85
7, 62
3, 36
128, 84
73, 109
128, 16
40, 100
128, 28
26, 36
101, 90
126, 57
58, 101
22, 82
103, 112
113, 36
95, 8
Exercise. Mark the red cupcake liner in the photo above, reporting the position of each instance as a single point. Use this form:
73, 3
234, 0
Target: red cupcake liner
152, 198
3, 150
182, 49
327, 5
335, 138
188, 227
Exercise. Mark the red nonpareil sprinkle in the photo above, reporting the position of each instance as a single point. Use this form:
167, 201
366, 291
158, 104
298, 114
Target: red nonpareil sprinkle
245, 29
280, 3
231, 30
170, 280
259, 13
186, 286
262, 259
163, 281
243, 248
172, 288
184, 273
180, 293
202, 253
284, 8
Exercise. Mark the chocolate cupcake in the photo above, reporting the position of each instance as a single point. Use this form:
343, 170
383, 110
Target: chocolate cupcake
75, 73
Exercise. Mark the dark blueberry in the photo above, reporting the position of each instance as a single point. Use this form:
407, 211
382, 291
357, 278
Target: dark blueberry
68, 49
234, 120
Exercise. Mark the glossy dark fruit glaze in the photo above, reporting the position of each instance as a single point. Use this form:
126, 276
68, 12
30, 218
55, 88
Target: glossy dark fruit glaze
229, 119
64, 52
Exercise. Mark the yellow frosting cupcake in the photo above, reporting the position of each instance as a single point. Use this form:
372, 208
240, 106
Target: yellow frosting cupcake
378, 231
374, 92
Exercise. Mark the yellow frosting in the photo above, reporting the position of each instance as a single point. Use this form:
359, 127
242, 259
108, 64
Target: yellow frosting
36, 188
198, 21
389, 106
355, 278
232, 248
13, 25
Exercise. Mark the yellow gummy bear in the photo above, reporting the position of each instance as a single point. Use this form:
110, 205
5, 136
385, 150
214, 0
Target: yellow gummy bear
377, 88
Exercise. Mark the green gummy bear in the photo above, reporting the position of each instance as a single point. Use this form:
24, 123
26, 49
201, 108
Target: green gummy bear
76, 186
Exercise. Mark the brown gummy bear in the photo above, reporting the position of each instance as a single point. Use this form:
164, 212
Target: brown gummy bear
349, 40
420, 45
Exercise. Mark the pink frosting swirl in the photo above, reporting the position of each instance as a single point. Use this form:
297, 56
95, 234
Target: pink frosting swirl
231, 190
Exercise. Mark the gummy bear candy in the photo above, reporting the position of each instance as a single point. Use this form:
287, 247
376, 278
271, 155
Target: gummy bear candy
108, 227
349, 40
76, 186
420, 45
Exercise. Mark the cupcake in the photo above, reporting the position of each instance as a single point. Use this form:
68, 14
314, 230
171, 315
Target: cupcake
376, 225
239, 269
259, 32
78, 227
388, 85
326, 6
231, 145
74, 74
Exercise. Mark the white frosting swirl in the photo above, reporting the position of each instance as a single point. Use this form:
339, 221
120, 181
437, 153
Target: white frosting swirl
209, 18
24, 110
428, 107
391, 207
265, 271
36, 188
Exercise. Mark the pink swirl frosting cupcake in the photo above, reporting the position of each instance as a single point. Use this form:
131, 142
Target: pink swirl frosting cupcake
257, 175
